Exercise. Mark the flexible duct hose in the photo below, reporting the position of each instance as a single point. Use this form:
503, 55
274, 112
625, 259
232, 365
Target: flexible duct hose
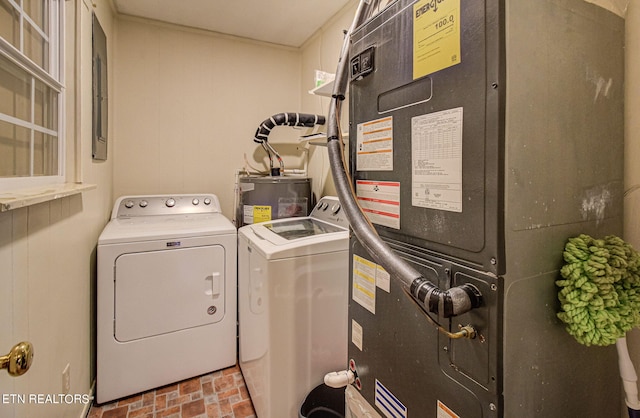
290, 119
454, 301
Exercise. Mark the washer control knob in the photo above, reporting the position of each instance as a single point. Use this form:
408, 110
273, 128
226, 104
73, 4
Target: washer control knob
335, 208
195, 201
128, 204
143, 203
325, 205
171, 202
207, 201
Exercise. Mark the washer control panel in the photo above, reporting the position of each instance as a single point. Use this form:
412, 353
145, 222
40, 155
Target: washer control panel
330, 210
147, 205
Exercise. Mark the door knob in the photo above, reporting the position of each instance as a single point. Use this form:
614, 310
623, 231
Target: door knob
19, 359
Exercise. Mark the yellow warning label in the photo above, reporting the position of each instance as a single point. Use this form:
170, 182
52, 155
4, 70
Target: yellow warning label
261, 214
436, 36
364, 283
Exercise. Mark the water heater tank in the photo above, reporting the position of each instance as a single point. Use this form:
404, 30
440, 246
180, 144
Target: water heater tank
272, 197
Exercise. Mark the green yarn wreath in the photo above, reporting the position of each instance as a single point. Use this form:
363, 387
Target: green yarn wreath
600, 290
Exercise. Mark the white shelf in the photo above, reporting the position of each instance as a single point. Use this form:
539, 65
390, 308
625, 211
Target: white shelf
319, 138
325, 89
21, 198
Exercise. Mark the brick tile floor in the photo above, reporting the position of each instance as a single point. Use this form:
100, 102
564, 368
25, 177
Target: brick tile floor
220, 394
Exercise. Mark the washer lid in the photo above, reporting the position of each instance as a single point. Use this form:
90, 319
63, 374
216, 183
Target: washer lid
295, 237
145, 228
299, 228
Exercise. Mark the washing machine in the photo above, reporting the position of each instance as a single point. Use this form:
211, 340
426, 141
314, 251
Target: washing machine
292, 295
166, 293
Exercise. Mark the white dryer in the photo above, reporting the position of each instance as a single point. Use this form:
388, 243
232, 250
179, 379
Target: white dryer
166, 293
293, 287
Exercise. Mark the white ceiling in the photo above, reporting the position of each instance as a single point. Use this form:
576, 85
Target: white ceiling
284, 22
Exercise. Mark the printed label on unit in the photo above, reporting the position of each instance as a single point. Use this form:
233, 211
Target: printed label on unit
436, 159
445, 412
247, 187
367, 276
383, 279
380, 201
261, 213
356, 334
375, 145
364, 283
436, 36
247, 214
390, 406
289, 207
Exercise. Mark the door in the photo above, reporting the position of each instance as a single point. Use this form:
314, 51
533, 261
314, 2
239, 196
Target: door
7, 383
159, 292
14, 326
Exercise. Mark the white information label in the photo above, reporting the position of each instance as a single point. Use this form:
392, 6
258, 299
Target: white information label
364, 283
356, 334
380, 201
375, 145
383, 279
247, 214
436, 158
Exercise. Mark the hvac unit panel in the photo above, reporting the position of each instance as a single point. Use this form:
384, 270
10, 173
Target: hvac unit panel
402, 350
448, 181
564, 122
531, 117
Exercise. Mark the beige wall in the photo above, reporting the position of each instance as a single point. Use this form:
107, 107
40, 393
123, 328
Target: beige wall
632, 126
47, 255
187, 104
321, 52
632, 148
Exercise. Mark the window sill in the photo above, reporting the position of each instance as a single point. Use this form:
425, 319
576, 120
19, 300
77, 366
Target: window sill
22, 198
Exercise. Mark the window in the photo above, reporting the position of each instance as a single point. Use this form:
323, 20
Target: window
31, 94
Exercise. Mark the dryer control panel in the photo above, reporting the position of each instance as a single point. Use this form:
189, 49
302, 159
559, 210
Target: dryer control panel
150, 205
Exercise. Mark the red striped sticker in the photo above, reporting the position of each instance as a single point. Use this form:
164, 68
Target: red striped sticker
380, 201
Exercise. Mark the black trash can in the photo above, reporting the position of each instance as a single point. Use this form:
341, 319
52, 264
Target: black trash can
323, 402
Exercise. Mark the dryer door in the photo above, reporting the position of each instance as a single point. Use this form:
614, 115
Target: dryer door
159, 292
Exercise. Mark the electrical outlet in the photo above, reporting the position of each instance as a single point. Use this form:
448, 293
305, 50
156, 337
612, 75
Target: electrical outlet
66, 379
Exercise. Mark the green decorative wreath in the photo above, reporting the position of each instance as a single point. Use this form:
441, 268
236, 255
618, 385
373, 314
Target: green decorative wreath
600, 290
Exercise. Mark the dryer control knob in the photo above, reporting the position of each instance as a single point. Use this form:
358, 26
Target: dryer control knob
207, 201
143, 203
170, 202
128, 204
335, 208
195, 202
